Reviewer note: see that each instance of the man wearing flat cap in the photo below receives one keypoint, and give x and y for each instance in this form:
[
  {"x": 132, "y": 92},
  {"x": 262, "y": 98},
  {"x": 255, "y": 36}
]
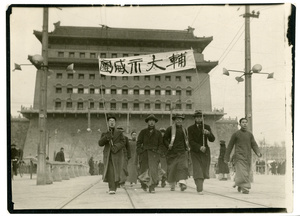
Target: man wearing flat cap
[
  {"x": 149, "y": 146},
  {"x": 113, "y": 141},
  {"x": 199, "y": 135},
  {"x": 176, "y": 141},
  {"x": 223, "y": 167}
]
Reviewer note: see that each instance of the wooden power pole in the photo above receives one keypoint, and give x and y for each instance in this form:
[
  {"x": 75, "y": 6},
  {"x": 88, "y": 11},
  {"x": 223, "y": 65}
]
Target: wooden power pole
[
  {"x": 41, "y": 166},
  {"x": 248, "y": 73}
]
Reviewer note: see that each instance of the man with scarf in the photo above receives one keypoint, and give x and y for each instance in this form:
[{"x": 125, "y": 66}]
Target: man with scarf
[
  {"x": 176, "y": 140},
  {"x": 199, "y": 133},
  {"x": 113, "y": 142},
  {"x": 243, "y": 141},
  {"x": 149, "y": 146}
]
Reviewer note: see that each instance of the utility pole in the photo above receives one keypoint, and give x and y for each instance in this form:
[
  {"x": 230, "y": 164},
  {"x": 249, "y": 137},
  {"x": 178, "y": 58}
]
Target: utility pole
[
  {"x": 248, "y": 74},
  {"x": 248, "y": 84},
  {"x": 41, "y": 166}
]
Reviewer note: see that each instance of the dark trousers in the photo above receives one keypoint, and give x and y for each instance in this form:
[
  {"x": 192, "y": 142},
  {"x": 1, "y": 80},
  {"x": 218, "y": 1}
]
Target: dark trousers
[
  {"x": 112, "y": 184},
  {"x": 199, "y": 184}
]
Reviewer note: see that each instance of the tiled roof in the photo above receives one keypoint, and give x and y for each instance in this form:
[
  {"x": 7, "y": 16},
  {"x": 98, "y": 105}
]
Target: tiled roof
[{"x": 124, "y": 33}]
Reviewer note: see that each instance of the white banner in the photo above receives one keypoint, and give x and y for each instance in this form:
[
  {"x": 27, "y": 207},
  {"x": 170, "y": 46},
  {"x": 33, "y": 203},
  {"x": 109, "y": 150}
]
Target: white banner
[{"x": 146, "y": 65}]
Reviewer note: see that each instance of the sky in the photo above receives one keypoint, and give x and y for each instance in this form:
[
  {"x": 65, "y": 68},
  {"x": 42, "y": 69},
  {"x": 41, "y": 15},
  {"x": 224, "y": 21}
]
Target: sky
[{"x": 225, "y": 23}]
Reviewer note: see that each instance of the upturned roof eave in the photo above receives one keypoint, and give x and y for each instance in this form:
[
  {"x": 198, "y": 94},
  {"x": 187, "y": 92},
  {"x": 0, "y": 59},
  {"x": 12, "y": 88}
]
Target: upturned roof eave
[{"x": 38, "y": 35}]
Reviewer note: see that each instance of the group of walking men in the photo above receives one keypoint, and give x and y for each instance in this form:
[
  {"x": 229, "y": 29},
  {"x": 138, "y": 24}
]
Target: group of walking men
[{"x": 177, "y": 145}]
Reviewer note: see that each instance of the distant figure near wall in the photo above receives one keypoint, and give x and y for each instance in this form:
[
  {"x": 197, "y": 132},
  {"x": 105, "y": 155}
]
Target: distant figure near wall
[{"x": 60, "y": 156}]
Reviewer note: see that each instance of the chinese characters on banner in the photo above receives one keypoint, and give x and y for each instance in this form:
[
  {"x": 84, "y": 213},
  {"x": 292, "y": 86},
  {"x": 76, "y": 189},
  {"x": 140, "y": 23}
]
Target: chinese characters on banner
[{"x": 146, "y": 65}]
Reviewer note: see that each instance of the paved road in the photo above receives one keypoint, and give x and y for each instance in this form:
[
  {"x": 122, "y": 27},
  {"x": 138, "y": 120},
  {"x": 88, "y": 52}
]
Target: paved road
[{"x": 89, "y": 192}]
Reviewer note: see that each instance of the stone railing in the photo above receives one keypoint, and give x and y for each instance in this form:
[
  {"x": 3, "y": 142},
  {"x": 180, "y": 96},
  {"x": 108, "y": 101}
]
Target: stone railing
[{"x": 58, "y": 171}]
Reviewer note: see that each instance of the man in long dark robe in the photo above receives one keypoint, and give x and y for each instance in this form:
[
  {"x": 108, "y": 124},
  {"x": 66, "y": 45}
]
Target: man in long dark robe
[
  {"x": 127, "y": 156},
  {"x": 113, "y": 142},
  {"x": 149, "y": 148},
  {"x": 199, "y": 135},
  {"x": 176, "y": 140},
  {"x": 132, "y": 162},
  {"x": 223, "y": 169},
  {"x": 243, "y": 141}
]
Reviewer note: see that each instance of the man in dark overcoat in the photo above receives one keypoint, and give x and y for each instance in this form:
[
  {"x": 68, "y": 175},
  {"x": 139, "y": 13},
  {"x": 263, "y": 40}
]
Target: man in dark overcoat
[
  {"x": 199, "y": 135},
  {"x": 176, "y": 141},
  {"x": 113, "y": 142},
  {"x": 126, "y": 157},
  {"x": 149, "y": 147},
  {"x": 60, "y": 156}
]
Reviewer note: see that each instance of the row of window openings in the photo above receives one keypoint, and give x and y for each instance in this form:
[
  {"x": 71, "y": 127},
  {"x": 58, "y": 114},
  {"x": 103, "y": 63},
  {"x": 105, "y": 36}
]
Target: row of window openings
[
  {"x": 92, "y": 55},
  {"x": 113, "y": 106},
  {"x": 136, "y": 78},
  {"x": 124, "y": 91}
]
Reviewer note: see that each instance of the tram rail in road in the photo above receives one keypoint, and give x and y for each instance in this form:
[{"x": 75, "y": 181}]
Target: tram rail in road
[{"x": 90, "y": 192}]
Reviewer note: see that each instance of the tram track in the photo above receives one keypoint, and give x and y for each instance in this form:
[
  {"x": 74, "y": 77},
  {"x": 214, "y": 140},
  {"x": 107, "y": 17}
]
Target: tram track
[
  {"x": 129, "y": 197},
  {"x": 68, "y": 201},
  {"x": 82, "y": 192},
  {"x": 136, "y": 199},
  {"x": 233, "y": 198}
]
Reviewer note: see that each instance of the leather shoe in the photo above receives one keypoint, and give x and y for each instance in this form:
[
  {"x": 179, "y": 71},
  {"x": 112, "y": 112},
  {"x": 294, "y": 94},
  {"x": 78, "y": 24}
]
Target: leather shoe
[
  {"x": 245, "y": 191},
  {"x": 151, "y": 189},
  {"x": 182, "y": 187}
]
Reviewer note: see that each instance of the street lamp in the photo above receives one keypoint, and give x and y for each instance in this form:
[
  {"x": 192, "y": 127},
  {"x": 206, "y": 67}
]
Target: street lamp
[
  {"x": 256, "y": 69},
  {"x": 41, "y": 64}
]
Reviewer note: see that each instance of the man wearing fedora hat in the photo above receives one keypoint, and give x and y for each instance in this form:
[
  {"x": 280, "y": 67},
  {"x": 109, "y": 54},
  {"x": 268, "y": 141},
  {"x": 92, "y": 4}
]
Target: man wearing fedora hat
[
  {"x": 149, "y": 146},
  {"x": 176, "y": 141},
  {"x": 199, "y": 135},
  {"x": 113, "y": 141}
]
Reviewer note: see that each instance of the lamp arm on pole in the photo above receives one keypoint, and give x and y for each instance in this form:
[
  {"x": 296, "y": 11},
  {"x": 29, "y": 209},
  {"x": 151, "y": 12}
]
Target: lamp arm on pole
[{"x": 236, "y": 71}]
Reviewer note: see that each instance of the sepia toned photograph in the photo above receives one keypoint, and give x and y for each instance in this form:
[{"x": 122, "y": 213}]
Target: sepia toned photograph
[{"x": 150, "y": 108}]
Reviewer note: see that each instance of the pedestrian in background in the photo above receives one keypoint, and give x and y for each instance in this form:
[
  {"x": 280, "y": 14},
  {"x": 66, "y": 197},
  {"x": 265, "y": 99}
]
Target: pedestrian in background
[
  {"x": 96, "y": 171},
  {"x": 132, "y": 162},
  {"x": 15, "y": 157},
  {"x": 113, "y": 142},
  {"x": 162, "y": 166},
  {"x": 60, "y": 156},
  {"x": 101, "y": 168},
  {"x": 126, "y": 157},
  {"x": 176, "y": 141},
  {"x": 91, "y": 165},
  {"x": 149, "y": 146},
  {"x": 222, "y": 166},
  {"x": 243, "y": 141},
  {"x": 199, "y": 135}
]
